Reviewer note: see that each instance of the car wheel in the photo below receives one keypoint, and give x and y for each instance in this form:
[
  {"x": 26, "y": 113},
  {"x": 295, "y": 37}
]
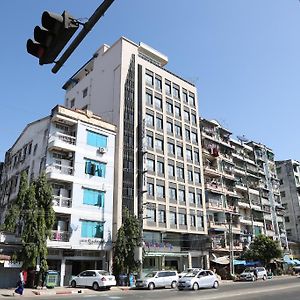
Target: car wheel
[
  {"x": 265, "y": 277},
  {"x": 95, "y": 286},
  {"x": 216, "y": 285},
  {"x": 173, "y": 284},
  {"x": 195, "y": 286},
  {"x": 151, "y": 286},
  {"x": 73, "y": 284}
]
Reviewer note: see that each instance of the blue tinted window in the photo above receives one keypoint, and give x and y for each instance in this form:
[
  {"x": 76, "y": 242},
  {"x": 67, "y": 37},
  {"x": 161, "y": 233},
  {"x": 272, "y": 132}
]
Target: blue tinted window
[
  {"x": 95, "y": 168},
  {"x": 93, "y": 197},
  {"x": 96, "y": 139},
  {"x": 91, "y": 229}
]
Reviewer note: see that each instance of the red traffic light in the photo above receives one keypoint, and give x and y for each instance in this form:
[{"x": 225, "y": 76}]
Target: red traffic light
[{"x": 35, "y": 49}]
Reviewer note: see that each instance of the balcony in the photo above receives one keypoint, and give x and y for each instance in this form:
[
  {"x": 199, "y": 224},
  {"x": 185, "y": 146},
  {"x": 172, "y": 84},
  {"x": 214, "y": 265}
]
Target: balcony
[
  {"x": 60, "y": 236},
  {"x": 214, "y": 186},
  {"x": 59, "y": 170},
  {"x": 214, "y": 204},
  {"x": 60, "y": 140},
  {"x": 246, "y": 220},
  {"x": 62, "y": 201},
  {"x": 210, "y": 169}
]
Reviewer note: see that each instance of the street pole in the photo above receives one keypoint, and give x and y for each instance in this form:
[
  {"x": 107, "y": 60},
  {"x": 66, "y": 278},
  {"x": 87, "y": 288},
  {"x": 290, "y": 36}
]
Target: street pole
[{"x": 231, "y": 252}]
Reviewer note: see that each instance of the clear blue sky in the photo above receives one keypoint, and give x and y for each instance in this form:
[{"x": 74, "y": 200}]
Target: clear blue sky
[{"x": 243, "y": 55}]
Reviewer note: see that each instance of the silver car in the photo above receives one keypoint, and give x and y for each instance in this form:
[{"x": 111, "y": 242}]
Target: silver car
[
  {"x": 198, "y": 279},
  {"x": 157, "y": 279}
]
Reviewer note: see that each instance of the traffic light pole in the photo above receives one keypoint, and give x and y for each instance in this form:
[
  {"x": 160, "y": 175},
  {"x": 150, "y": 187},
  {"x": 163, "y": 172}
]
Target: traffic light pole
[{"x": 99, "y": 12}]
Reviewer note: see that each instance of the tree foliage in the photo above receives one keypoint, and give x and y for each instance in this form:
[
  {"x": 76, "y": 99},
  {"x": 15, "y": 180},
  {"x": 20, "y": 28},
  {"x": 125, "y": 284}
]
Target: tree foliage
[
  {"x": 263, "y": 248},
  {"x": 128, "y": 239},
  {"x": 32, "y": 214}
]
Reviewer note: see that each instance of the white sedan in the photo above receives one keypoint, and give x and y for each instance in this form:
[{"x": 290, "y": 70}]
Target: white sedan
[
  {"x": 97, "y": 279},
  {"x": 198, "y": 279}
]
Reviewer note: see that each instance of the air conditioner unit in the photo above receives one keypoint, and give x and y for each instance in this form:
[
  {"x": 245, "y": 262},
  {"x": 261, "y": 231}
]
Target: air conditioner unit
[{"x": 101, "y": 150}]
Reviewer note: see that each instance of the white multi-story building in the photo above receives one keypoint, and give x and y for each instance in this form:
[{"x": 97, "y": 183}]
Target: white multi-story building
[
  {"x": 158, "y": 152},
  {"x": 76, "y": 151}
]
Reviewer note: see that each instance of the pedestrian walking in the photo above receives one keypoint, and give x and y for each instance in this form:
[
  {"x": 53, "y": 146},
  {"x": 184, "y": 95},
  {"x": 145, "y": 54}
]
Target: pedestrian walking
[{"x": 20, "y": 284}]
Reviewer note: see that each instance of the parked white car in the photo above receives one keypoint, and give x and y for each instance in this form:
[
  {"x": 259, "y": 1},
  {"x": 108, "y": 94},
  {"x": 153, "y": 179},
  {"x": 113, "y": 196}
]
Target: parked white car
[
  {"x": 97, "y": 279},
  {"x": 189, "y": 270},
  {"x": 157, "y": 279},
  {"x": 198, "y": 279},
  {"x": 252, "y": 274}
]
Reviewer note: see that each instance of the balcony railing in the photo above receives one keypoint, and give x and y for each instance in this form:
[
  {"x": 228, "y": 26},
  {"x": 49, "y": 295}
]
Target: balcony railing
[
  {"x": 62, "y": 201},
  {"x": 60, "y": 236},
  {"x": 64, "y": 138},
  {"x": 60, "y": 169}
]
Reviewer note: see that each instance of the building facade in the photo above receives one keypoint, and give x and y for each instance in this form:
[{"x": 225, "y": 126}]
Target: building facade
[
  {"x": 76, "y": 151},
  {"x": 158, "y": 149}
]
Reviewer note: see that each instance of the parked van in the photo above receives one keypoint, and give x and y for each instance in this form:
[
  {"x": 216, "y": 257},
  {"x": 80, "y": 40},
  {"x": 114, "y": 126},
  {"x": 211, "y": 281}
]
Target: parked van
[{"x": 157, "y": 279}]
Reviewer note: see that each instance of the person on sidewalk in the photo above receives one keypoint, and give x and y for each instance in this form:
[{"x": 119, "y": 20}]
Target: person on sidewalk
[{"x": 20, "y": 284}]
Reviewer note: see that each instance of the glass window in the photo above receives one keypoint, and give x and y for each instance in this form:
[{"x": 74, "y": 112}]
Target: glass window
[
  {"x": 180, "y": 172},
  {"x": 149, "y": 79},
  {"x": 200, "y": 221},
  {"x": 178, "y": 130},
  {"x": 186, "y": 115},
  {"x": 192, "y": 197},
  {"x": 187, "y": 134},
  {"x": 150, "y": 164},
  {"x": 185, "y": 96},
  {"x": 159, "y": 144},
  {"x": 158, "y": 84},
  {"x": 159, "y": 123},
  {"x": 194, "y": 119},
  {"x": 171, "y": 170},
  {"x": 158, "y": 102},
  {"x": 149, "y": 139},
  {"x": 150, "y": 189},
  {"x": 181, "y": 195},
  {"x": 96, "y": 139},
  {"x": 93, "y": 197},
  {"x": 160, "y": 167},
  {"x": 91, "y": 229},
  {"x": 168, "y": 87},
  {"x": 149, "y": 120},
  {"x": 197, "y": 177},
  {"x": 169, "y": 107},
  {"x": 149, "y": 99},
  {"x": 190, "y": 175},
  {"x": 173, "y": 220},
  {"x": 192, "y": 99},
  {"x": 193, "y": 220},
  {"x": 151, "y": 215},
  {"x": 172, "y": 193},
  {"x": 196, "y": 156},
  {"x": 171, "y": 148},
  {"x": 182, "y": 219},
  {"x": 176, "y": 92},
  {"x": 177, "y": 111},
  {"x": 160, "y": 191},
  {"x": 169, "y": 127},
  {"x": 199, "y": 200},
  {"x": 162, "y": 216},
  {"x": 194, "y": 137},
  {"x": 179, "y": 151},
  {"x": 72, "y": 103},
  {"x": 95, "y": 168},
  {"x": 189, "y": 154}
]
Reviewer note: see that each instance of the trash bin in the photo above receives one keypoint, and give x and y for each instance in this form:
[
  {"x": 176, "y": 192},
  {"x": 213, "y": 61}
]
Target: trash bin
[
  {"x": 51, "y": 279},
  {"x": 123, "y": 280}
]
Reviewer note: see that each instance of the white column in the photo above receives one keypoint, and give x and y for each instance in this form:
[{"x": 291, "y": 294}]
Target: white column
[{"x": 62, "y": 271}]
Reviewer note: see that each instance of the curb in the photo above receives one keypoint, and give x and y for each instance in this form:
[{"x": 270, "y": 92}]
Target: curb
[{"x": 43, "y": 293}]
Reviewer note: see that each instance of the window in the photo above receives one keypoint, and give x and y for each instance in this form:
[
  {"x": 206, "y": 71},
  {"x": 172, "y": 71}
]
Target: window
[
  {"x": 160, "y": 191},
  {"x": 181, "y": 195},
  {"x": 171, "y": 148},
  {"x": 149, "y": 79},
  {"x": 199, "y": 200},
  {"x": 149, "y": 99},
  {"x": 193, "y": 220},
  {"x": 159, "y": 123},
  {"x": 189, "y": 154},
  {"x": 158, "y": 83},
  {"x": 194, "y": 137},
  {"x": 180, "y": 172},
  {"x": 160, "y": 167},
  {"x": 91, "y": 229},
  {"x": 176, "y": 93},
  {"x": 172, "y": 193},
  {"x": 178, "y": 130},
  {"x": 161, "y": 216},
  {"x": 72, "y": 103},
  {"x": 190, "y": 175},
  {"x": 187, "y": 134},
  {"x": 150, "y": 164},
  {"x": 149, "y": 139},
  {"x": 158, "y": 102},
  {"x": 192, "y": 99},
  {"x": 150, "y": 189},
  {"x": 168, "y": 87},
  {"x": 93, "y": 197},
  {"x": 282, "y": 193},
  {"x": 169, "y": 108},
  {"x": 159, "y": 145},
  {"x": 173, "y": 220},
  {"x": 182, "y": 219},
  {"x": 186, "y": 116},
  {"x": 196, "y": 156},
  {"x": 197, "y": 177},
  {"x": 287, "y": 219},
  {"x": 95, "y": 168},
  {"x": 179, "y": 151},
  {"x": 96, "y": 139},
  {"x": 194, "y": 119},
  {"x": 169, "y": 127},
  {"x": 185, "y": 96},
  {"x": 192, "y": 198},
  {"x": 177, "y": 111},
  {"x": 149, "y": 120},
  {"x": 151, "y": 215},
  {"x": 84, "y": 92},
  {"x": 200, "y": 221},
  {"x": 171, "y": 170}
]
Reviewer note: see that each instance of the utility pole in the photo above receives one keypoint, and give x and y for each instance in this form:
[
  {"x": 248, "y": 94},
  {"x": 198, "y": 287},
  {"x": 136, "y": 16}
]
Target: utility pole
[{"x": 231, "y": 251}]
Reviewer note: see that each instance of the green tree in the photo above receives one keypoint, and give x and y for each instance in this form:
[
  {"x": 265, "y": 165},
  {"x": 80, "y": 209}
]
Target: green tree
[
  {"x": 128, "y": 240},
  {"x": 263, "y": 248},
  {"x": 32, "y": 214}
]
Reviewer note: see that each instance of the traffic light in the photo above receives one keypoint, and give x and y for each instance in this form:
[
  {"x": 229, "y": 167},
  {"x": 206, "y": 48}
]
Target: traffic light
[{"x": 52, "y": 37}]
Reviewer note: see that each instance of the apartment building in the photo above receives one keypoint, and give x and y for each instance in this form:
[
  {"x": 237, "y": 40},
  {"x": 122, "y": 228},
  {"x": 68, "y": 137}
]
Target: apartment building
[
  {"x": 242, "y": 190},
  {"x": 158, "y": 158},
  {"x": 75, "y": 149},
  {"x": 289, "y": 175}
]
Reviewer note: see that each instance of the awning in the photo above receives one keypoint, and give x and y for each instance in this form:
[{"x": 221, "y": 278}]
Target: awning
[
  {"x": 159, "y": 254},
  {"x": 296, "y": 261},
  {"x": 237, "y": 262},
  {"x": 288, "y": 260},
  {"x": 223, "y": 260}
]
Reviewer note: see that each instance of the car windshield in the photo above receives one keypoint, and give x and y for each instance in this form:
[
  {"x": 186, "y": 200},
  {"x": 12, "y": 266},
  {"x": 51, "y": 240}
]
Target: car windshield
[
  {"x": 151, "y": 274},
  {"x": 248, "y": 270},
  {"x": 191, "y": 274},
  {"x": 103, "y": 273}
]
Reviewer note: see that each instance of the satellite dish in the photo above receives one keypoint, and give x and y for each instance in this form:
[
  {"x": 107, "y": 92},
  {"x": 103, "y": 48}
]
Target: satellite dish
[{"x": 242, "y": 138}]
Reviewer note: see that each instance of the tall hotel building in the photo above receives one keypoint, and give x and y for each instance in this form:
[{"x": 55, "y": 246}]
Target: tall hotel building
[{"x": 158, "y": 149}]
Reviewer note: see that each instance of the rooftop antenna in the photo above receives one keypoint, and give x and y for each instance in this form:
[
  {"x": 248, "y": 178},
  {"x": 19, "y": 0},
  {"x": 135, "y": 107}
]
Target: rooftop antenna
[{"x": 242, "y": 138}]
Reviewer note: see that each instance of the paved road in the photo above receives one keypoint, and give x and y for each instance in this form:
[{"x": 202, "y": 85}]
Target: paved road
[{"x": 275, "y": 289}]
